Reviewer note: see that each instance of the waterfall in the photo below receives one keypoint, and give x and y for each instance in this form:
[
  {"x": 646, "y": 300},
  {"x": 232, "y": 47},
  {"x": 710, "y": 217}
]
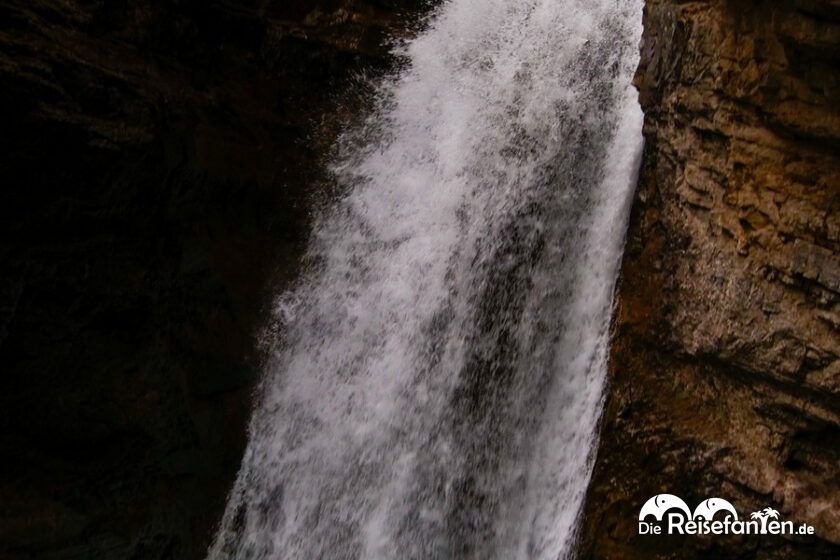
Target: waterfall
[{"x": 436, "y": 384}]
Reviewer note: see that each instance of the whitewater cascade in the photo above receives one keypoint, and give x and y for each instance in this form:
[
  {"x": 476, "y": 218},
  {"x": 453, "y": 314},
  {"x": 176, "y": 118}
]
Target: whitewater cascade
[{"x": 436, "y": 386}]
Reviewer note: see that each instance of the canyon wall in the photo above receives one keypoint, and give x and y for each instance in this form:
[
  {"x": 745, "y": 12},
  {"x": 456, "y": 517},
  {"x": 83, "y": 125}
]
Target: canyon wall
[
  {"x": 159, "y": 162},
  {"x": 159, "y": 165},
  {"x": 725, "y": 372}
]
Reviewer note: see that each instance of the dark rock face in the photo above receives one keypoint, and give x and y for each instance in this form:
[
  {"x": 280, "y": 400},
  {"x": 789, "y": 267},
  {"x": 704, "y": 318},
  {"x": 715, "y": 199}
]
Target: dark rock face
[
  {"x": 159, "y": 162},
  {"x": 726, "y": 350}
]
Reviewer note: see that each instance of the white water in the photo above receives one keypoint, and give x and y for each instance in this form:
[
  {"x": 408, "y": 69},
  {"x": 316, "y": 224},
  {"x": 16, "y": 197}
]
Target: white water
[{"x": 439, "y": 377}]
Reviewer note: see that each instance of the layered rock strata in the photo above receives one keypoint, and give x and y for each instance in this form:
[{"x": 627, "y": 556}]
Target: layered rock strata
[{"x": 725, "y": 371}]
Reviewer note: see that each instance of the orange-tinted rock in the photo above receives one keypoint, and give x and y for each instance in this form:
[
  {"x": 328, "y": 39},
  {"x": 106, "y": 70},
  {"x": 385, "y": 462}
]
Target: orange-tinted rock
[{"x": 725, "y": 363}]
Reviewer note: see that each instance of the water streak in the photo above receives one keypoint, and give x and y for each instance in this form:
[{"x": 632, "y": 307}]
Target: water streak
[{"x": 436, "y": 388}]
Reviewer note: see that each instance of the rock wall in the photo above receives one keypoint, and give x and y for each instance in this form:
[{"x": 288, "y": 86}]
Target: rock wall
[
  {"x": 158, "y": 163},
  {"x": 725, "y": 373}
]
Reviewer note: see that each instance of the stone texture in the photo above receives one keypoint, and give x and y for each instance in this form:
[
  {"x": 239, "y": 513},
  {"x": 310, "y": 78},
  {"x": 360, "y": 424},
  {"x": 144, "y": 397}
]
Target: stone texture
[
  {"x": 159, "y": 162},
  {"x": 725, "y": 371}
]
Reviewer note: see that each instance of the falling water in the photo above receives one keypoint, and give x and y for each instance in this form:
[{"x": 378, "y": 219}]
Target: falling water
[{"x": 440, "y": 374}]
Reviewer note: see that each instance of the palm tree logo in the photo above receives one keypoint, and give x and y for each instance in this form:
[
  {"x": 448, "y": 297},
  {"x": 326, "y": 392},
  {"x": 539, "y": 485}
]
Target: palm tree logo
[{"x": 764, "y": 515}]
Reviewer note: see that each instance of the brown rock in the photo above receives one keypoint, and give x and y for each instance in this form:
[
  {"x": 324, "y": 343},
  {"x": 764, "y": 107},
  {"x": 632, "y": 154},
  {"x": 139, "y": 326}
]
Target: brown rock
[{"x": 724, "y": 372}]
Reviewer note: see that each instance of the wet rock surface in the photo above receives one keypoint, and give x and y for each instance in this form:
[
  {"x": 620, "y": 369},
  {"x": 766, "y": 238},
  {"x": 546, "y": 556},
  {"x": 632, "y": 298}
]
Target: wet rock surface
[
  {"x": 159, "y": 163},
  {"x": 725, "y": 377}
]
